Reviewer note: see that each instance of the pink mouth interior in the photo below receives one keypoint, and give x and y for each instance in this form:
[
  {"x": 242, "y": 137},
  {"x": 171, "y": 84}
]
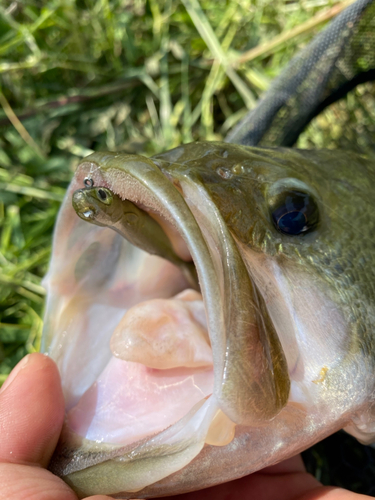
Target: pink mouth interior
[{"x": 130, "y": 401}]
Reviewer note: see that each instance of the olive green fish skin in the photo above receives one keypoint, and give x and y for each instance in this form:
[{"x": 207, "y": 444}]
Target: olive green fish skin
[{"x": 340, "y": 251}]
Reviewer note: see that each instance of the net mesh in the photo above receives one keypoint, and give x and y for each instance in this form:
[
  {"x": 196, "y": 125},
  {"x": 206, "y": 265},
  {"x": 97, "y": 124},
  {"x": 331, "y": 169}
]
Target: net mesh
[{"x": 339, "y": 59}]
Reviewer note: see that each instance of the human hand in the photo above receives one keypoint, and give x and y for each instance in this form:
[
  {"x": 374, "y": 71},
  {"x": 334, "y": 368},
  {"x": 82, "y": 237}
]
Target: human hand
[{"x": 31, "y": 417}]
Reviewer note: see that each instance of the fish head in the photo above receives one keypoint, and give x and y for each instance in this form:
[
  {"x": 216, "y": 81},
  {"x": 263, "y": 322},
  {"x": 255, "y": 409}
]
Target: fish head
[
  {"x": 169, "y": 390},
  {"x": 96, "y": 202}
]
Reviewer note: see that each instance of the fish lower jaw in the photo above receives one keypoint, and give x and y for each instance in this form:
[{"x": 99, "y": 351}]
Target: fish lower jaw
[
  {"x": 134, "y": 409},
  {"x": 160, "y": 367},
  {"x": 130, "y": 401}
]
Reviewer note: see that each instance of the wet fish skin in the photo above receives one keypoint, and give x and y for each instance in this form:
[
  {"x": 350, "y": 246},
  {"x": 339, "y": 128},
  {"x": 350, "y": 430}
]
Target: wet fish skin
[
  {"x": 337, "y": 259},
  {"x": 341, "y": 251}
]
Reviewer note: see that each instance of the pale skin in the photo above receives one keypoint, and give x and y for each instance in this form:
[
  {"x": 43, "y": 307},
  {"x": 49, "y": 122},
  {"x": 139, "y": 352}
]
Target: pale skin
[{"x": 31, "y": 417}]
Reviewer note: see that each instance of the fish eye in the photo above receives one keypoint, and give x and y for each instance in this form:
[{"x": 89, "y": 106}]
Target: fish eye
[
  {"x": 295, "y": 212},
  {"x": 104, "y": 195}
]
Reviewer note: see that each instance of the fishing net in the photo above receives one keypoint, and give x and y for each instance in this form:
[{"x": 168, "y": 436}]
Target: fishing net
[{"x": 335, "y": 64}]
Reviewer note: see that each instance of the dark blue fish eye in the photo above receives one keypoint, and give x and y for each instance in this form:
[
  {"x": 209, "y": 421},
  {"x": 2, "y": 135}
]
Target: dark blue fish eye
[
  {"x": 292, "y": 222},
  {"x": 294, "y": 212}
]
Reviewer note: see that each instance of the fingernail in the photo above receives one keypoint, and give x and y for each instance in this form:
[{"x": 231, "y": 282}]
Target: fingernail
[{"x": 13, "y": 374}]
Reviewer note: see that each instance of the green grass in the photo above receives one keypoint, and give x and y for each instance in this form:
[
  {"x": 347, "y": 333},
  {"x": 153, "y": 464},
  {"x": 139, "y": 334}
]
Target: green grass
[
  {"x": 139, "y": 76},
  {"x": 132, "y": 75}
]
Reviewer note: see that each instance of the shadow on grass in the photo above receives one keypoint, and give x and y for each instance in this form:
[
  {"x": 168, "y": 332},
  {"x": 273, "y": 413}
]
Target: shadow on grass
[{"x": 340, "y": 460}]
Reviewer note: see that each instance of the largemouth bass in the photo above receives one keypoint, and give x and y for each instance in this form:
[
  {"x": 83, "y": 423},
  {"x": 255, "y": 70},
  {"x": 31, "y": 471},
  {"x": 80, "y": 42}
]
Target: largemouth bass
[{"x": 170, "y": 389}]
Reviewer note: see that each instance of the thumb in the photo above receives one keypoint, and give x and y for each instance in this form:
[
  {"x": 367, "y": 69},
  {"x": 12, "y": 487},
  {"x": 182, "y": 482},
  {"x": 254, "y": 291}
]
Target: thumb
[
  {"x": 31, "y": 416},
  {"x": 31, "y": 412}
]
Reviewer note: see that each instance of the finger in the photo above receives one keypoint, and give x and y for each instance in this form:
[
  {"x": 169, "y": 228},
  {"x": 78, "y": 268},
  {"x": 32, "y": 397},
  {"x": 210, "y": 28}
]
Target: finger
[
  {"x": 293, "y": 464},
  {"x": 259, "y": 486},
  {"x": 31, "y": 483},
  {"x": 31, "y": 412},
  {"x": 332, "y": 493}
]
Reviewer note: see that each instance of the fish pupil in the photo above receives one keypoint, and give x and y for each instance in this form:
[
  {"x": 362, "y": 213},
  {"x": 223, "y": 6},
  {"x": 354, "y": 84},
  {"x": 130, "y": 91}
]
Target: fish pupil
[
  {"x": 295, "y": 212},
  {"x": 102, "y": 194},
  {"x": 292, "y": 222}
]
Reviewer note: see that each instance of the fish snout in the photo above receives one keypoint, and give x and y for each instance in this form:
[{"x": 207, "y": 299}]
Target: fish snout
[{"x": 84, "y": 209}]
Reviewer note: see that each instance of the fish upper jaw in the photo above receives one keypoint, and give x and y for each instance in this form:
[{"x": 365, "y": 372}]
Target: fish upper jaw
[{"x": 254, "y": 383}]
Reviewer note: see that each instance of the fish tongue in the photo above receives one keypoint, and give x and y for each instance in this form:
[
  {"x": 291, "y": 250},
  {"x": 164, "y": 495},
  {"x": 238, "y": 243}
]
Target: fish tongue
[
  {"x": 164, "y": 333},
  {"x": 130, "y": 401}
]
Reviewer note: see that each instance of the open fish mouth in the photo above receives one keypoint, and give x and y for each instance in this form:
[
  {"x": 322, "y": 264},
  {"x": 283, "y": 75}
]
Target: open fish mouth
[
  {"x": 153, "y": 371},
  {"x": 135, "y": 345}
]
